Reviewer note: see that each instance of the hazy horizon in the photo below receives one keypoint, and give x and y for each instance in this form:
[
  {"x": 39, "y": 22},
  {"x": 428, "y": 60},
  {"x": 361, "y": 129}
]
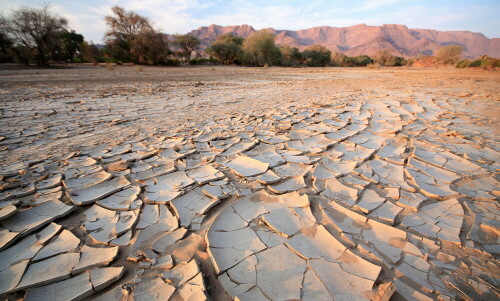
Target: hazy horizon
[{"x": 182, "y": 16}]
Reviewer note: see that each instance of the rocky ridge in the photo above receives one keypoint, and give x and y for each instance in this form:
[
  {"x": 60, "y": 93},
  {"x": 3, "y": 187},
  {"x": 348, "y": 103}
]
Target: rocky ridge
[{"x": 363, "y": 39}]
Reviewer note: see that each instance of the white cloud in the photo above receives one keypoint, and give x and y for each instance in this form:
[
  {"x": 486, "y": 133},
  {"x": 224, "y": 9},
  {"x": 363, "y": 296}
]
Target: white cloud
[
  {"x": 90, "y": 24},
  {"x": 375, "y": 4}
]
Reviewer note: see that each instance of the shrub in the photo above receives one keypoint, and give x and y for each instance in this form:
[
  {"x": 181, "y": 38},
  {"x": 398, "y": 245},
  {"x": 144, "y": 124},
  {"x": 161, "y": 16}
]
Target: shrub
[
  {"x": 357, "y": 61},
  {"x": 449, "y": 54},
  {"x": 385, "y": 58},
  {"x": 203, "y": 61},
  {"x": 425, "y": 61},
  {"x": 338, "y": 59},
  {"x": 317, "y": 55},
  {"x": 362, "y": 60},
  {"x": 484, "y": 61},
  {"x": 475, "y": 63},
  {"x": 290, "y": 56},
  {"x": 373, "y": 66},
  {"x": 463, "y": 64},
  {"x": 489, "y": 62}
]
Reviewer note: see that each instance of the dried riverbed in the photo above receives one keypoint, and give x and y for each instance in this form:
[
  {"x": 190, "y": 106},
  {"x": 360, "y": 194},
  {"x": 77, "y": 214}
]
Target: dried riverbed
[{"x": 256, "y": 184}]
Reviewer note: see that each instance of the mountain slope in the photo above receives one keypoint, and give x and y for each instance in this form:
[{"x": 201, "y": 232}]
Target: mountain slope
[{"x": 364, "y": 39}]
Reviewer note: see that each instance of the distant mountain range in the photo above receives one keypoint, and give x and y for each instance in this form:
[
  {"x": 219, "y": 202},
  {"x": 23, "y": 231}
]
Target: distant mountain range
[{"x": 364, "y": 39}]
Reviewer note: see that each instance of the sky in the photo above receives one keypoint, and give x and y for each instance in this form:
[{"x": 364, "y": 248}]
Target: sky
[{"x": 181, "y": 16}]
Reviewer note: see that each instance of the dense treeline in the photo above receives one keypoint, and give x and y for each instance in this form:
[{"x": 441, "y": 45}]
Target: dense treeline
[{"x": 30, "y": 35}]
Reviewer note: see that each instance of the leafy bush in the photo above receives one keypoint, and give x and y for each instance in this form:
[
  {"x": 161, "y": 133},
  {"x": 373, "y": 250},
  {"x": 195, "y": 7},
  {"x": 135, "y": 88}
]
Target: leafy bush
[
  {"x": 489, "y": 62},
  {"x": 317, "y": 55},
  {"x": 203, "y": 61},
  {"x": 338, "y": 59},
  {"x": 357, "y": 61},
  {"x": 463, "y": 64},
  {"x": 227, "y": 48},
  {"x": 484, "y": 62},
  {"x": 290, "y": 56},
  {"x": 260, "y": 49},
  {"x": 399, "y": 61},
  {"x": 475, "y": 63},
  {"x": 385, "y": 58}
]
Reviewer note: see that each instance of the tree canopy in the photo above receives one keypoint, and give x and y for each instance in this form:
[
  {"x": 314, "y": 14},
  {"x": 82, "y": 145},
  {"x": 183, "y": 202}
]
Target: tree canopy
[
  {"x": 126, "y": 24},
  {"x": 186, "y": 44},
  {"x": 317, "y": 55},
  {"x": 37, "y": 30},
  {"x": 131, "y": 37},
  {"x": 260, "y": 49},
  {"x": 227, "y": 48}
]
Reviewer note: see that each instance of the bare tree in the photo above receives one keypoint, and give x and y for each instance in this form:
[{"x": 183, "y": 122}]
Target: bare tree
[
  {"x": 37, "y": 30},
  {"x": 132, "y": 37},
  {"x": 90, "y": 52},
  {"x": 187, "y": 44},
  {"x": 126, "y": 24}
]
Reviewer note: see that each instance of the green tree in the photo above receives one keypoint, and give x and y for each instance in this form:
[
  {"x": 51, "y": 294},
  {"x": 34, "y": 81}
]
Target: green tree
[
  {"x": 226, "y": 49},
  {"x": 34, "y": 32},
  {"x": 317, "y": 55},
  {"x": 73, "y": 43},
  {"x": 186, "y": 44},
  {"x": 290, "y": 56},
  {"x": 449, "y": 54},
  {"x": 150, "y": 48},
  {"x": 6, "y": 43},
  {"x": 118, "y": 50},
  {"x": 260, "y": 49}
]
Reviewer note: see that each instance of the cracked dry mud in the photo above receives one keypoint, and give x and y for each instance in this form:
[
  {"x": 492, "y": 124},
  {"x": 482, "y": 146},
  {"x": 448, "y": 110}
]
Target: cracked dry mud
[{"x": 249, "y": 184}]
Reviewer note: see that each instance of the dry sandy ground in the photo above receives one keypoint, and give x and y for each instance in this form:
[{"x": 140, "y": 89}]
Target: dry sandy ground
[
  {"x": 47, "y": 112},
  {"x": 278, "y": 183}
]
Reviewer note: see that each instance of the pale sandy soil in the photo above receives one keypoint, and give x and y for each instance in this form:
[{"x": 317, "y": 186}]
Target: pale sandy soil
[{"x": 46, "y": 112}]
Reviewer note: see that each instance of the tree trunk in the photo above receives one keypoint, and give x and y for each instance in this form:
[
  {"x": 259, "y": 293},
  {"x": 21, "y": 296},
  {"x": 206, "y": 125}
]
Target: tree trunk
[{"x": 41, "y": 54}]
